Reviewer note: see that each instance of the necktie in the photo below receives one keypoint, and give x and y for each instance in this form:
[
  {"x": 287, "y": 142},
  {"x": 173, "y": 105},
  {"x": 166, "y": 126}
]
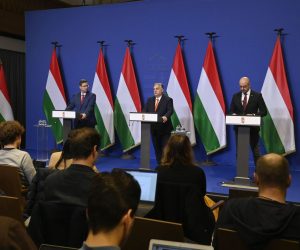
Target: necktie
[
  {"x": 245, "y": 102},
  {"x": 156, "y": 104},
  {"x": 82, "y": 99}
]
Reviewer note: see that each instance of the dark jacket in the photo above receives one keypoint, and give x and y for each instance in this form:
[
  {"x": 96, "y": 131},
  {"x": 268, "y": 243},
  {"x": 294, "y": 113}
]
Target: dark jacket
[
  {"x": 36, "y": 189},
  {"x": 180, "y": 198},
  {"x": 86, "y": 107},
  {"x": 255, "y": 105},
  {"x": 69, "y": 186},
  {"x": 258, "y": 220},
  {"x": 164, "y": 108}
]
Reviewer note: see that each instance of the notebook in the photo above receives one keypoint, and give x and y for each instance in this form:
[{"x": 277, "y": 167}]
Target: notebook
[
  {"x": 147, "y": 180},
  {"x": 173, "y": 245}
]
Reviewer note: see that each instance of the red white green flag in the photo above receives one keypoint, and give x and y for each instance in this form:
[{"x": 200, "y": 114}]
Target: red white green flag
[
  {"x": 278, "y": 126},
  {"x": 104, "y": 108},
  {"x": 127, "y": 100},
  {"x": 178, "y": 90},
  {"x": 6, "y": 113},
  {"x": 54, "y": 98},
  {"x": 209, "y": 106}
]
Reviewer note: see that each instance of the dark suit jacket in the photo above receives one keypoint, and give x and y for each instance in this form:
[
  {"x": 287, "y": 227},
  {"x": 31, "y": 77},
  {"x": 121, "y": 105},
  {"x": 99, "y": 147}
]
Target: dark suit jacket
[
  {"x": 255, "y": 105},
  {"x": 86, "y": 107},
  {"x": 183, "y": 174},
  {"x": 164, "y": 108},
  {"x": 69, "y": 186},
  {"x": 180, "y": 198}
]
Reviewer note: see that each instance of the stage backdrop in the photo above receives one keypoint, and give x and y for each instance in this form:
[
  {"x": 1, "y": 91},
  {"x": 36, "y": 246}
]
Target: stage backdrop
[{"x": 243, "y": 47}]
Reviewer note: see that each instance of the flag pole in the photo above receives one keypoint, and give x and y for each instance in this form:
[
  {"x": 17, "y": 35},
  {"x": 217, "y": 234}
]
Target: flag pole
[{"x": 208, "y": 162}]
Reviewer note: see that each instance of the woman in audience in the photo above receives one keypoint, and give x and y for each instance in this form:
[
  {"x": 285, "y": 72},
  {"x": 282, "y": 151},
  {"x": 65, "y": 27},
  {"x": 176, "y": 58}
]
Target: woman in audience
[
  {"x": 10, "y": 154},
  {"x": 61, "y": 159},
  {"x": 181, "y": 187},
  {"x": 178, "y": 165}
]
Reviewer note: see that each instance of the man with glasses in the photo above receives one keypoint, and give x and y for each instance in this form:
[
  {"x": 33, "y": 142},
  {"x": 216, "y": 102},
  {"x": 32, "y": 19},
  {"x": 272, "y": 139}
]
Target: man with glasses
[{"x": 83, "y": 103}]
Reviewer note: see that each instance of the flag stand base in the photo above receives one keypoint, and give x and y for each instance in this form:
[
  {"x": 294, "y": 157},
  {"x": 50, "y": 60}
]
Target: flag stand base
[{"x": 127, "y": 156}]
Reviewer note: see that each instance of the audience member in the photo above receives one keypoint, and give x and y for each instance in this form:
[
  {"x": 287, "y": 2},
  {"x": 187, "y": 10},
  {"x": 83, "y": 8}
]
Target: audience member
[
  {"x": 258, "y": 220},
  {"x": 10, "y": 139},
  {"x": 13, "y": 235},
  {"x": 112, "y": 203},
  {"x": 181, "y": 187},
  {"x": 71, "y": 185},
  {"x": 61, "y": 159},
  {"x": 178, "y": 165}
]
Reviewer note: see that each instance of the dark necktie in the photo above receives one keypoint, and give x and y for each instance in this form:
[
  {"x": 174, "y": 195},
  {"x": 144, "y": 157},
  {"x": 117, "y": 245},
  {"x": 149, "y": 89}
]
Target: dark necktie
[
  {"x": 82, "y": 99},
  {"x": 245, "y": 102}
]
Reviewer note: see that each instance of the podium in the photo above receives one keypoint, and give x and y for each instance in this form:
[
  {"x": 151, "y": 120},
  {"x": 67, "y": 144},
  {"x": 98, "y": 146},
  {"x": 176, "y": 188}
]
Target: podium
[
  {"x": 67, "y": 117},
  {"x": 244, "y": 123},
  {"x": 42, "y": 140},
  {"x": 146, "y": 119}
]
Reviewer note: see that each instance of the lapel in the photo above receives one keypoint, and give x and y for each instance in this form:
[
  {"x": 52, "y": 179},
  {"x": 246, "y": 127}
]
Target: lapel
[
  {"x": 160, "y": 103},
  {"x": 239, "y": 100},
  {"x": 250, "y": 97}
]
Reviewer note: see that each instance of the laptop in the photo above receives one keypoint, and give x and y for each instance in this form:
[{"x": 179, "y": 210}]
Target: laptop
[
  {"x": 144, "y": 230},
  {"x": 147, "y": 180},
  {"x": 173, "y": 245}
]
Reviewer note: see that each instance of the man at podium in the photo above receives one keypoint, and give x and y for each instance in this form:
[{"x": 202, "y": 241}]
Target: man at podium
[
  {"x": 83, "y": 103},
  {"x": 249, "y": 102},
  {"x": 163, "y": 106}
]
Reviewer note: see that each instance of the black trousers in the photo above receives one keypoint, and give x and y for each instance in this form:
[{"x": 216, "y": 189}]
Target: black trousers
[{"x": 159, "y": 142}]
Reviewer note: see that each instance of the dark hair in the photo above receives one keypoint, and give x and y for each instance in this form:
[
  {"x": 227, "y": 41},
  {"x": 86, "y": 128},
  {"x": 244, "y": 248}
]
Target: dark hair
[
  {"x": 82, "y": 81},
  {"x": 9, "y": 131},
  {"x": 65, "y": 154},
  {"x": 178, "y": 150},
  {"x": 82, "y": 142},
  {"x": 111, "y": 196},
  {"x": 273, "y": 171}
]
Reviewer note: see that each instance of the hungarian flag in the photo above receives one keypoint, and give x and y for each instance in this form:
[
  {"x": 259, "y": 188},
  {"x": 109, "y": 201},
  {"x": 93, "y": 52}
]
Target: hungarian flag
[
  {"x": 104, "y": 104},
  {"x": 278, "y": 126},
  {"x": 54, "y": 98},
  {"x": 209, "y": 106},
  {"x": 127, "y": 100},
  {"x": 6, "y": 113},
  {"x": 178, "y": 90}
]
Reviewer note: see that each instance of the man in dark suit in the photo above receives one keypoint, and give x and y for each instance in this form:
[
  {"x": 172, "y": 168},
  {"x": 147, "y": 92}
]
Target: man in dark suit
[
  {"x": 72, "y": 185},
  {"x": 83, "y": 103},
  {"x": 249, "y": 102},
  {"x": 160, "y": 131}
]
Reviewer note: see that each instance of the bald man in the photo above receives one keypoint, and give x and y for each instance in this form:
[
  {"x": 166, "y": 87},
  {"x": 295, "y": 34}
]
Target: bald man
[
  {"x": 249, "y": 102},
  {"x": 268, "y": 216}
]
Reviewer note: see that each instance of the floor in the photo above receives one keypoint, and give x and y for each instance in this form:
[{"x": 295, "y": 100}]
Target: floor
[{"x": 215, "y": 175}]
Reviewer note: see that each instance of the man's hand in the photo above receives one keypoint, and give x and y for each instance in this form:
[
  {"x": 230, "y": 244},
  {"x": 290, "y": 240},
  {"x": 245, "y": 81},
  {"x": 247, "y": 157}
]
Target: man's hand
[
  {"x": 165, "y": 119},
  {"x": 82, "y": 116}
]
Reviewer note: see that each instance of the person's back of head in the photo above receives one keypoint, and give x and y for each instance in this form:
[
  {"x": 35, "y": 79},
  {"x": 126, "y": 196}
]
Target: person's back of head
[
  {"x": 83, "y": 142},
  {"x": 10, "y": 131},
  {"x": 178, "y": 150},
  {"x": 112, "y": 202},
  {"x": 272, "y": 171}
]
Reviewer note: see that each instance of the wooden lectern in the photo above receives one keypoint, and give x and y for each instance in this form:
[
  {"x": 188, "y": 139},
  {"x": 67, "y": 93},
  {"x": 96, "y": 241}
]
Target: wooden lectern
[
  {"x": 244, "y": 123},
  {"x": 67, "y": 117},
  {"x": 146, "y": 119}
]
